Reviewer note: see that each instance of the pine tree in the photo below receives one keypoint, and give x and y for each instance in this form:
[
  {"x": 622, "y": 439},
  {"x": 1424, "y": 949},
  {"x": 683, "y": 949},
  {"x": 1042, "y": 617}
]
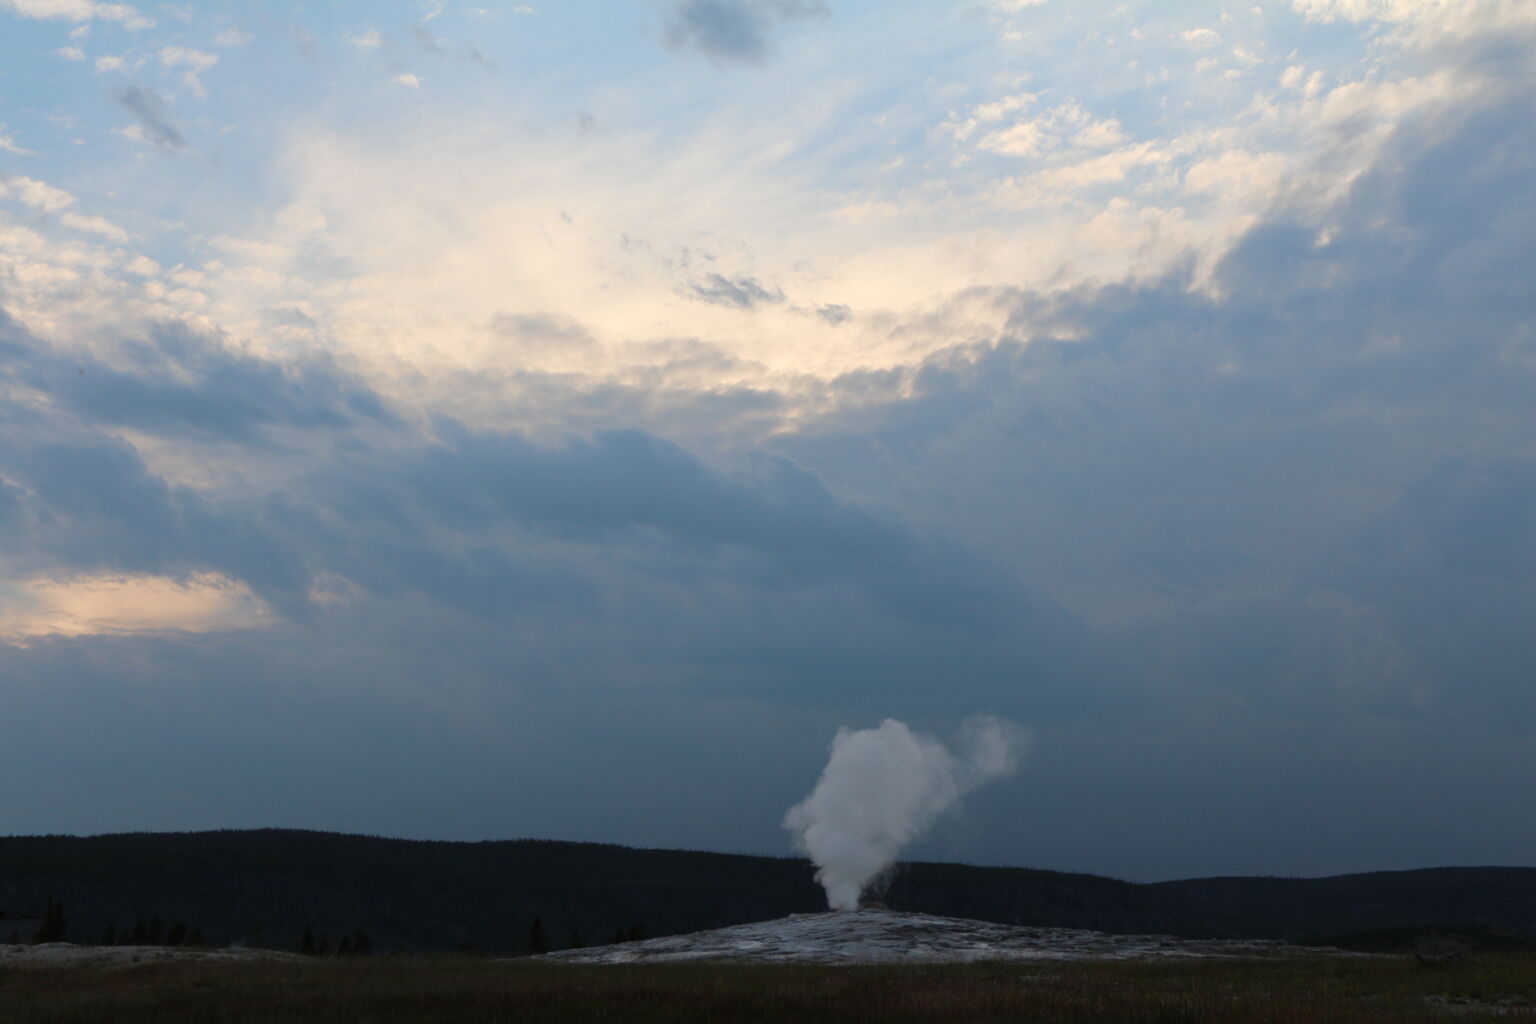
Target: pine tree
[
  {"x": 307, "y": 942},
  {"x": 538, "y": 942},
  {"x": 575, "y": 940},
  {"x": 54, "y": 926}
]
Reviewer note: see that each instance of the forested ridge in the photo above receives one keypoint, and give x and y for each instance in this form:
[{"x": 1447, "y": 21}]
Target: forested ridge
[{"x": 329, "y": 893}]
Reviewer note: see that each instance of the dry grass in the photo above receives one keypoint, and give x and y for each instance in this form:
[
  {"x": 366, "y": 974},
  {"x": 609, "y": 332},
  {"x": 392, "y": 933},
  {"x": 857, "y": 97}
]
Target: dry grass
[{"x": 427, "y": 990}]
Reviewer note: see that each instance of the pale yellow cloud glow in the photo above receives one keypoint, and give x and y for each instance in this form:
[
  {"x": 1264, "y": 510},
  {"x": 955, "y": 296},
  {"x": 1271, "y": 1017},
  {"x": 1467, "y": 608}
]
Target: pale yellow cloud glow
[
  {"x": 459, "y": 258},
  {"x": 537, "y": 262},
  {"x": 95, "y": 605}
]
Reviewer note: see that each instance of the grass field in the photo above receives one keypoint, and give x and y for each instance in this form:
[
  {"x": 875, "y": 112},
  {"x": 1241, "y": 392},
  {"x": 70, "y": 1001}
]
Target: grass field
[{"x": 419, "y": 990}]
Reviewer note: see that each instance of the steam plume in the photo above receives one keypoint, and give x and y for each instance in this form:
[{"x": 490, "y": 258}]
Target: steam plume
[{"x": 883, "y": 787}]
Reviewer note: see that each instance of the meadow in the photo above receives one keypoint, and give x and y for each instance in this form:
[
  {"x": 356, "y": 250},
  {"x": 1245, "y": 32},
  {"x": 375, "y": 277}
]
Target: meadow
[{"x": 438, "y": 990}]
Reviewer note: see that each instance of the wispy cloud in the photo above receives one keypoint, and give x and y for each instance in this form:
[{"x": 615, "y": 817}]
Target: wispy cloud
[
  {"x": 734, "y": 30},
  {"x": 426, "y": 41},
  {"x": 9, "y": 144},
  {"x": 194, "y": 61},
  {"x": 153, "y": 124},
  {"x": 370, "y": 39},
  {"x": 736, "y": 292},
  {"x": 95, "y": 226}
]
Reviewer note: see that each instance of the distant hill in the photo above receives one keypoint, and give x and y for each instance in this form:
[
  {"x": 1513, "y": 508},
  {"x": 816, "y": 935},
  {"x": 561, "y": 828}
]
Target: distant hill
[{"x": 267, "y": 887}]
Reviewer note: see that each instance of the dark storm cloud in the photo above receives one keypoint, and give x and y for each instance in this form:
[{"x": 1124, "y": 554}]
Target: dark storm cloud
[
  {"x": 1449, "y": 568},
  {"x": 733, "y": 30},
  {"x": 774, "y": 527},
  {"x": 146, "y": 105},
  {"x": 637, "y": 516},
  {"x": 191, "y": 384},
  {"x": 736, "y": 292},
  {"x": 184, "y": 383},
  {"x": 489, "y": 524},
  {"x": 1311, "y": 494},
  {"x": 88, "y": 502}
]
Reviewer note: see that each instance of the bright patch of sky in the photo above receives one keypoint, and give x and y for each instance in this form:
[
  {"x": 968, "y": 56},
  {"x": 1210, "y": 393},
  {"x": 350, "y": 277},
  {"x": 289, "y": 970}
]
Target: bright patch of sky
[{"x": 399, "y": 176}]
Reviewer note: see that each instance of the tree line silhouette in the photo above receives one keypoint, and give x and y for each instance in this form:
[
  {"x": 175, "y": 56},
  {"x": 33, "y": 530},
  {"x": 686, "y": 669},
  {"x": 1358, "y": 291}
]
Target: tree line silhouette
[
  {"x": 151, "y": 930},
  {"x": 263, "y": 888}
]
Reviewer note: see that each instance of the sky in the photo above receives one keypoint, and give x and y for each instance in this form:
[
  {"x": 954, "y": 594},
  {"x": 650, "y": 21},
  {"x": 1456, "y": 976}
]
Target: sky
[{"x": 488, "y": 420}]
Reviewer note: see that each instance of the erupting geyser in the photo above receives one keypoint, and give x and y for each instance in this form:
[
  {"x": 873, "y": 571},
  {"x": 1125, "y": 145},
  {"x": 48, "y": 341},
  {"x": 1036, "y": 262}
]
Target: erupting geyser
[{"x": 883, "y": 787}]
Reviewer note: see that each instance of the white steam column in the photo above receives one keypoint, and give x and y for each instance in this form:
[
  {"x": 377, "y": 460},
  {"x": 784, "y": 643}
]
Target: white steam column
[{"x": 883, "y": 787}]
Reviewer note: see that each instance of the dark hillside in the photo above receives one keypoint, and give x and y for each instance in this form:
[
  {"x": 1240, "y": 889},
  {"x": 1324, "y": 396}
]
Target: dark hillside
[
  {"x": 267, "y": 887},
  {"x": 1298, "y": 908}
]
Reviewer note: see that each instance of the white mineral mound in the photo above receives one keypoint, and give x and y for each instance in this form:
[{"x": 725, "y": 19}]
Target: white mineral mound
[{"x": 887, "y": 936}]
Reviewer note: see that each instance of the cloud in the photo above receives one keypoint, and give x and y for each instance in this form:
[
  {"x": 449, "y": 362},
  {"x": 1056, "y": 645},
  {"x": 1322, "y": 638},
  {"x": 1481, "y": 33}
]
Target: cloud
[
  {"x": 34, "y": 193},
  {"x": 464, "y": 517},
  {"x": 195, "y": 61},
  {"x": 1428, "y": 22},
  {"x": 1107, "y": 194},
  {"x": 187, "y": 383},
  {"x": 733, "y": 30},
  {"x": 545, "y": 332},
  {"x": 372, "y": 39},
  {"x": 426, "y": 41},
  {"x": 733, "y": 292},
  {"x": 233, "y": 36},
  {"x": 79, "y": 10},
  {"x": 9, "y": 144},
  {"x": 408, "y": 80},
  {"x": 146, "y": 105},
  {"x": 116, "y": 605},
  {"x": 95, "y": 226},
  {"x": 1327, "y": 435},
  {"x": 1066, "y": 125}
]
